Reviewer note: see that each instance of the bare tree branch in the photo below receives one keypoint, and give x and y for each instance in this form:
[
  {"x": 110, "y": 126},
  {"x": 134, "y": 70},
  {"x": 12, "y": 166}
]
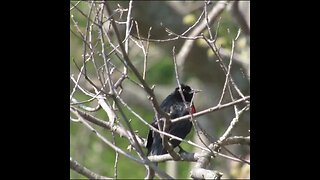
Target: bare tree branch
[
  {"x": 105, "y": 140},
  {"x": 228, "y": 73},
  {"x": 212, "y": 109},
  {"x": 212, "y": 16},
  {"x": 200, "y": 173},
  {"x": 83, "y": 116},
  {"x": 236, "y": 140},
  {"x": 157, "y": 130},
  {"x": 74, "y": 5},
  {"x": 187, "y": 156},
  {"x": 223, "y": 66},
  {"x": 194, "y": 122},
  {"x": 239, "y": 17},
  {"x": 107, "y": 125},
  {"x": 74, "y": 165},
  {"x": 126, "y": 44},
  {"x": 233, "y": 123},
  {"x": 135, "y": 71}
]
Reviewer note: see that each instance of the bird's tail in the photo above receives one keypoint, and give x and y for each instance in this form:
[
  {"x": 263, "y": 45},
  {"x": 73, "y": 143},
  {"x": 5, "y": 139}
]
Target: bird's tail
[
  {"x": 154, "y": 151},
  {"x": 150, "y": 173}
]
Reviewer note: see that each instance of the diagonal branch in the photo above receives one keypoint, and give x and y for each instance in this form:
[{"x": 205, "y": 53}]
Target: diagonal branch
[
  {"x": 236, "y": 140},
  {"x": 119, "y": 150},
  {"x": 233, "y": 123},
  {"x": 74, "y": 165},
  {"x": 223, "y": 66},
  {"x": 239, "y": 17},
  {"x": 212, "y": 109},
  {"x": 135, "y": 71},
  {"x": 212, "y": 16}
]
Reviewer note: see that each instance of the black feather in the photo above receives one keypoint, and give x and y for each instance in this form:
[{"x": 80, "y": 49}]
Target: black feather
[{"x": 175, "y": 107}]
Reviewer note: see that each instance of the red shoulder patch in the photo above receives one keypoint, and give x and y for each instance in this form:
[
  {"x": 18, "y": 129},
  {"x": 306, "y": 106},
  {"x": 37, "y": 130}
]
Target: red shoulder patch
[{"x": 193, "y": 109}]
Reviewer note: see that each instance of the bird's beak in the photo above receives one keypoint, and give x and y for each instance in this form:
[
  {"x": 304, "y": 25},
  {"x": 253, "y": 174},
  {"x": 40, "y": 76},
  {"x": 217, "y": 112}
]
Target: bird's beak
[{"x": 195, "y": 90}]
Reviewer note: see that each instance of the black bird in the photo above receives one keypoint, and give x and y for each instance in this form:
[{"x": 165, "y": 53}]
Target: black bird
[{"x": 175, "y": 107}]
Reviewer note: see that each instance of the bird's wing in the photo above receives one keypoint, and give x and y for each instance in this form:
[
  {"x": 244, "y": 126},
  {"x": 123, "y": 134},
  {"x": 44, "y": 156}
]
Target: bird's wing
[
  {"x": 150, "y": 136},
  {"x": 167, "y": 103},
  {"x": 179, "y": 128},
  {"x": 164, "y": 107},
  {"x": 178, "y": 110}
]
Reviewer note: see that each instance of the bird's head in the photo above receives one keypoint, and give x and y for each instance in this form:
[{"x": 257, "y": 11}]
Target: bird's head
[{"x": 187, "y": 92}]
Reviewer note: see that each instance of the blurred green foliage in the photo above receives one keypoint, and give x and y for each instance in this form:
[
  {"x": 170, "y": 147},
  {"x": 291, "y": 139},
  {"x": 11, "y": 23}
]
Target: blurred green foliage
[{"x": 162, "y": 72}]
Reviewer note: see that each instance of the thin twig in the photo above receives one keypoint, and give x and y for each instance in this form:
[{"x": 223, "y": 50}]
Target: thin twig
[
  {"x": 207, "y": 19},
  {"x": 149, "y": 91},
  {"x": 115, "y": 167},
  {"x": 81, "y": 38},
  {"x": 196, "y": 23},
  {"x": 74, "y": 5},
  {"x": 126, "y": 44},
  {"x": 76, "y": 82},
  {"x": 83, "y": 14},
  {"x": 133, "y": 137},
  {"x": 92, "y": 52},
  {"x": 75, "y": 23},
  {"x": 184, "y": 101},
  {"x": 146, "y": 54},
  {"x": 144, "y": 50},
  {"x": 186, "y": 156},
  {"x": 169, "y": 135},
  {"x": 82, "y": 68},
  {"x": 236, "y": 140},
  {"x": 233, "y": 123},
  {"x": 224, "y": 68},
  {"x": 119, "y": 150},
  {"x": 112, "y": 90},
  {"x": 165, "y": 139},
  {"x": 172, "y": 136},
  {"x": 88, "y": 79},
  {"x": 121, "y": 131},
  {"x": 212, "y": 109},
  {"x": 137, "y": 145},
  {"x": 227, "y": 83},
  {"x": 213, "y": 14},
  {"x": 217, "y": 30},
  {"x": 239, "y": 17},
  {"x": 85, "y": 36},
  {"x": 82, "y": 106},
  {"x": 177, "y": 37},
  {"x": 228, "y": 73},
  {"x": 109, "y": 80},
  {"x": 157, "y": 130},
  {"x": 74, "y": 165},
  {"x": 124, "y": 133}
]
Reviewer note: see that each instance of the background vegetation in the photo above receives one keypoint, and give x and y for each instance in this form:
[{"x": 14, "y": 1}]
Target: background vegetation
[{"x": 200, "y": 70}]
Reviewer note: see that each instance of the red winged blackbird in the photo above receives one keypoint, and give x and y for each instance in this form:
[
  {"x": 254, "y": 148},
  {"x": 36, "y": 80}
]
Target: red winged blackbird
[{"x": 175, "y": 107}]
